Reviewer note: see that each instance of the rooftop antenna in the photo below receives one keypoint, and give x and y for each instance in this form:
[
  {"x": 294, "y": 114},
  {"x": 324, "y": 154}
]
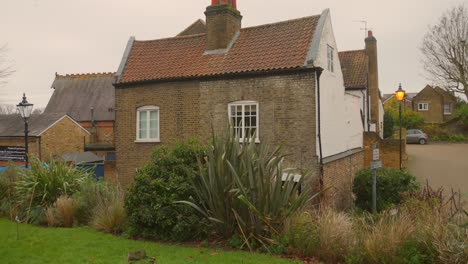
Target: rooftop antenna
[{"x": 365, "y": 26}]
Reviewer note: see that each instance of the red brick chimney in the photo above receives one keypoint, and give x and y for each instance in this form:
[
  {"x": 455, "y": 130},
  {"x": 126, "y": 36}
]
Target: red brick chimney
[
  {"x": 223, "y": 21},
  {"x": 373, "y": 79}
]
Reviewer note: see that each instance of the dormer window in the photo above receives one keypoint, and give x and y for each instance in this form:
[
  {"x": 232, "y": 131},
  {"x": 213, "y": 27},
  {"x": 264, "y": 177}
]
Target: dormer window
[{"x": 330, "y": 52}]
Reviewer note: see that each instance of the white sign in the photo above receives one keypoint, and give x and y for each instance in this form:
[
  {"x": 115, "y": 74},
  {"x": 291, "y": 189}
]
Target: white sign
[
  {"x": 375, "y": 154},
  {"x": 376, "y": 164}
]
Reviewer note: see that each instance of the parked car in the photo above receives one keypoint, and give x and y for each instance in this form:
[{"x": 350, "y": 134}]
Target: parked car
[{"x": 416, "y": 136}]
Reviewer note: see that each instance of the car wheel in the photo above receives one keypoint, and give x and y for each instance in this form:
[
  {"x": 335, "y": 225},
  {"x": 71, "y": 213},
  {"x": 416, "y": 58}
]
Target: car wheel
[{"x": 422, "y": 141}]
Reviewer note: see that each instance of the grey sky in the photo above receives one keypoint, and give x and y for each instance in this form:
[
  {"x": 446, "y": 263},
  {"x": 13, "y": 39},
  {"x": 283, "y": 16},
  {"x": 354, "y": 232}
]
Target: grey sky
[{"x": 65, "y": 36}]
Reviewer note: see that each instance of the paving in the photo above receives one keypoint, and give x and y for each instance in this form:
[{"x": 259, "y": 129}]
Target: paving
[{"x": 443, "y": 165}]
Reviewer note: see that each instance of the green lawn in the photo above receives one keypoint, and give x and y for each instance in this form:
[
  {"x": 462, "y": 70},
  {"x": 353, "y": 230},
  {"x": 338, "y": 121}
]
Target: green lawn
[{"x": 84, "y": 245}]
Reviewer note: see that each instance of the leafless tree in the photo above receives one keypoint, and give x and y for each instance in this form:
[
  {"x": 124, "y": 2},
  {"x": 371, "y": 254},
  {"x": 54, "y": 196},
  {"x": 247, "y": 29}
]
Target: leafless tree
[
  {"x": 38, "y": 111},
  {"x": 445, "y": 50},
  {"x": 5, "y": 69},
  {"x": 7, "y": 109}
]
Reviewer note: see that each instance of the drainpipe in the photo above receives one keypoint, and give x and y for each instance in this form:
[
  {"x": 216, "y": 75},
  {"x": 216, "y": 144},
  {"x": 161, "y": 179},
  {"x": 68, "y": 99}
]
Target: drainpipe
[{"x": 318, "y": 73}]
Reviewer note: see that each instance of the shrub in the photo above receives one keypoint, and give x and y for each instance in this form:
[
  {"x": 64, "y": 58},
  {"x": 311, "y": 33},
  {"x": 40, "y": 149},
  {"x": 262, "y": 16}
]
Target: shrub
[
  {"x": 328, "y": 235},
  {"x": 391, "y": 184},
  {"x": 88, "y": 197},
  {"x": 239, "y": 191},
  {"x": 163, "y": 181},
  {"x": 388, "y": 125},
  {"x": 8, "y": 194},
  {"x": 462, "y": 114},
  {"x": 109, "y": 214},
  {"x": 41, "y": 185},
  {"x": 65, "y": 208}
]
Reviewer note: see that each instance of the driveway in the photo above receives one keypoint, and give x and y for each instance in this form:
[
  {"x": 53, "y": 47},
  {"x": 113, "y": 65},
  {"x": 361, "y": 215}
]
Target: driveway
[{"x": 442, "y": 164}]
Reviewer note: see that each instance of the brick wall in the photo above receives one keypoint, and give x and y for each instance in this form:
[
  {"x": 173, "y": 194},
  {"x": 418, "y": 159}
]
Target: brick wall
[
  {"x": 338, "y": 177},
  {"x": 222, "y": 24},
  {"x": 64, "y": 137},
  {"x": 104, "y": 131},
  {"x": 191, "y": 108},
  {"x": 389, "y": 150}
]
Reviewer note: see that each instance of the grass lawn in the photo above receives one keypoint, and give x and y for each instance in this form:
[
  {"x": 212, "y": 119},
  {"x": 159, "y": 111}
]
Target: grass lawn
[{"x": 84, "y": 245}]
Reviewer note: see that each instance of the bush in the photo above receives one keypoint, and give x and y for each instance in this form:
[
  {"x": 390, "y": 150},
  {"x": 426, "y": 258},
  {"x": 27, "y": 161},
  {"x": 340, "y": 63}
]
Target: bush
[
  {"x": 327, "y": 235},
  {"x": 8, "y": 194},
  {"x": 462, "y": 114},
  {"x": 165, "y": 180},
  {"x": 391, "y": 184},
  {"x": 40, "y": 186},
  {"x": 388, "y": 125},
  {"x": 65, "y": 208},
  {"x": 109, "y": 214},
  {"x": 239, "y": 191}
]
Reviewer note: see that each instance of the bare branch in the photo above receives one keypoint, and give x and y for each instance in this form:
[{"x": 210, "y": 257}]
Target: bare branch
[{"x": 445, "y": 50}]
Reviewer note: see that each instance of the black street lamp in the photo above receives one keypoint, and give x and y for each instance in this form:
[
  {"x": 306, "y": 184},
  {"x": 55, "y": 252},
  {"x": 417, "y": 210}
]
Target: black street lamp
[
  {"x": 400, "y": 95},
  {"x": 25, "y": 109}
]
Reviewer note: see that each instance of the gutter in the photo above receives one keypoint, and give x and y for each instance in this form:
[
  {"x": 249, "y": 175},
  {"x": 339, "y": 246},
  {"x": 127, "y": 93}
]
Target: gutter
[{"x": 318, "y": 73}]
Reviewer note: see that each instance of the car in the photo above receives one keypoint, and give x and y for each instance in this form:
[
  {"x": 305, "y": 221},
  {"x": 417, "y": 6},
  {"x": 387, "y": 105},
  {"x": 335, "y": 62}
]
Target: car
[{"x": 416, "y": 136}]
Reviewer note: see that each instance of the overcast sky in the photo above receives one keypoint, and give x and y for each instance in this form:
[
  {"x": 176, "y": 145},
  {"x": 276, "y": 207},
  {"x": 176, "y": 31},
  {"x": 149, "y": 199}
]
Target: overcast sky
[{"x": 66, "y": 36}]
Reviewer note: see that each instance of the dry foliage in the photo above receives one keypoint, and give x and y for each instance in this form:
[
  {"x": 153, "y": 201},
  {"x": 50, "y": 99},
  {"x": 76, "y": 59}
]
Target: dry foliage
[
  {"x": 109, "y": 215},
  {"x": 65, "y": 208}
]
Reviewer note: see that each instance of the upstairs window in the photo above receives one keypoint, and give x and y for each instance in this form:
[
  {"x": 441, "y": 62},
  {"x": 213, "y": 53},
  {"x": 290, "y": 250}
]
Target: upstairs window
[
  {"x": 423, "y": 106},
  {"x": 243, "y": 117},
  {"x": 147, "y": 124},
  {"x": 447, "y": 109},
  {"x": 330, "y": 53}
]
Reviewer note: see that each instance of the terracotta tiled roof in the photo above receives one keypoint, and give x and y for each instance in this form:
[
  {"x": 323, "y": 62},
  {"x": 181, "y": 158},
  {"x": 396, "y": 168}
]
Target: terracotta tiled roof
[
  {"x": 282, "y": 45},
  {"x": 354, "y": 68}
]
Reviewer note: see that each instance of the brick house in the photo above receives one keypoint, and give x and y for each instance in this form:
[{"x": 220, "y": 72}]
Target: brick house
[
  {"x": 282, "y": 80},
  {"x": 435, "y": 104},
  {"x": 88, "y": 99},
  {"x": 50, "y": 136}
]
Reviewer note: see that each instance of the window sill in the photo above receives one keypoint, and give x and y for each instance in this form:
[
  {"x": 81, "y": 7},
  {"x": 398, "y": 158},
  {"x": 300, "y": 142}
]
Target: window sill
[
  {"x": 447, "y": 113},
  {"x": 147, "y": 141},
  {"x": 257, "y": 141}
]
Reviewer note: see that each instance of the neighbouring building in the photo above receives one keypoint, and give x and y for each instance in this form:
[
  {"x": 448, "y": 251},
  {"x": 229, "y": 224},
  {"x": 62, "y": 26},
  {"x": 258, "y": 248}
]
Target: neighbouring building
[
  {"x": 390, "y": 101},
  {"x": 360, "y": 73},
  {"x": 88, "y": 99},
  {"x": 435, "y": 104},
  {"x": 282, "y": 81},
  {"x": 50, "y": 136}
]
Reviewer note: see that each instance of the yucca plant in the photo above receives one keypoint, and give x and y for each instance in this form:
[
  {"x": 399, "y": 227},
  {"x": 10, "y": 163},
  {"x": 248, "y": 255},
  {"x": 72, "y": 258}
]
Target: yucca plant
[
  {"x": 241, "y": 191},
  {"x": 41, "y": 185}
]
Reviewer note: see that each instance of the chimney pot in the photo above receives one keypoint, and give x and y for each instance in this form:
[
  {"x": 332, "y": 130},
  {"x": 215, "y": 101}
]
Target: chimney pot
[{"x": 369, "y": 33}]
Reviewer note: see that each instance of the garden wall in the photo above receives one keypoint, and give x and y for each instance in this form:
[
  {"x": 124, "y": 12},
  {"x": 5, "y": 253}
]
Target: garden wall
[{"x": 389, "y": 150}]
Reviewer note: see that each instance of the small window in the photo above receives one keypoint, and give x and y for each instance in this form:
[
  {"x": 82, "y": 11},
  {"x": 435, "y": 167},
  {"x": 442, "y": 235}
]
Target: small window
[
  {"x": 330, "y": 55},
  {"x": 447, "y": 109},
  {"x": 147, "y": 124},
  {"x": 243, "y": 117},
  {"x": 423, "y": 106}
]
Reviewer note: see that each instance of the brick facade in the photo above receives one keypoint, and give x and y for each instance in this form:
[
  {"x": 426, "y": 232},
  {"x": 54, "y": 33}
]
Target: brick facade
[
  {"x": 338, "y": 176},
  {"x": 435, "y": 100},
  {"x": 222, "y": 24},
  {"x": 389, "y": 150},
  {"x": 63, "y": 137},
  {"x": 191, "y": 108}
]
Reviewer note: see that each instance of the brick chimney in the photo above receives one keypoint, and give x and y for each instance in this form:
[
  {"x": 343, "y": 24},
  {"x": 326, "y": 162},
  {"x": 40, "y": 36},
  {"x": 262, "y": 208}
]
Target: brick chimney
[
  {"x": 373, "y": 80},
  {"x": 223, "y": 21}
]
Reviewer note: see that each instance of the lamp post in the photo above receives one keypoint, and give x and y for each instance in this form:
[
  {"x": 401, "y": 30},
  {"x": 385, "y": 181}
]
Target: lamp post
[
  {"x": 25, "y": 109},
  {"x": 400, "y": 95}
]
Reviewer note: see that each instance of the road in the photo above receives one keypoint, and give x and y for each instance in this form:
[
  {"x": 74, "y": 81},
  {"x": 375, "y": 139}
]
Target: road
[{"x": 443, "y": 165}]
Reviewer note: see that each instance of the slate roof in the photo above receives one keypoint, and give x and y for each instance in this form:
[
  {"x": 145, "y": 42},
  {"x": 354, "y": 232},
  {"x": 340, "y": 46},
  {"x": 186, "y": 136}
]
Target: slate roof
[
  {"x": 354, "y": 65},
  {"x": 76, "y": 94},
  {"x": 13, "y": 125},
  {"x": 80, "y": 158},
  {"x": 277, "y": 46},
  {"x": 197, "y": 27}
]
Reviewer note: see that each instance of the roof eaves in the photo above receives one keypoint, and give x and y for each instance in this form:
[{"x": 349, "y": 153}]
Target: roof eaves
[{"x": 317, "y": 36}]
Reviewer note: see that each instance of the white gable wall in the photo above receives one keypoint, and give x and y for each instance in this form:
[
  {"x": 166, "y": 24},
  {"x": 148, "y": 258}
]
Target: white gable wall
[{"x": 341, "y": 125}]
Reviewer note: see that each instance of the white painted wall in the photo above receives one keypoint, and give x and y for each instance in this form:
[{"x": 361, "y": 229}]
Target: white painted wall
[{"x": 341, "y": 125}]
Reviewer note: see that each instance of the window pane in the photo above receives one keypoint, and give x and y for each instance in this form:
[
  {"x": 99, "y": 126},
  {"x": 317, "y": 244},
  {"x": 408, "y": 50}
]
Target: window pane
[
  {"x": 154, "y": 124},
  {"x": 143, "y": 125}
]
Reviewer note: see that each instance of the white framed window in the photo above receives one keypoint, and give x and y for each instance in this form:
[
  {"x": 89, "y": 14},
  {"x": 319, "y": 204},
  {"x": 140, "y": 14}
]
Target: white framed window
[
  {"x": 147, "y": 126},
  {"x": 447, "y": 109},
  {"x": 330, "y": 52},
  {"x": 244, "y": 119},
  {"x": 423, "y": 106}
]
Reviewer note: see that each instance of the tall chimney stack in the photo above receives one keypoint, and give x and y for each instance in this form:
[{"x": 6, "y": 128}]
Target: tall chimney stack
[
  {"x": 223, "y": 21},
  {"x": 373, "y": 80}
]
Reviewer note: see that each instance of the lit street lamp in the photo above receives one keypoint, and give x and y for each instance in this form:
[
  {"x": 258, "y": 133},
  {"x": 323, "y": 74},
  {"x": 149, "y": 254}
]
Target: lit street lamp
[
  {"x": 25, "y": 109},
  {"x": 400, "y": 95}
]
